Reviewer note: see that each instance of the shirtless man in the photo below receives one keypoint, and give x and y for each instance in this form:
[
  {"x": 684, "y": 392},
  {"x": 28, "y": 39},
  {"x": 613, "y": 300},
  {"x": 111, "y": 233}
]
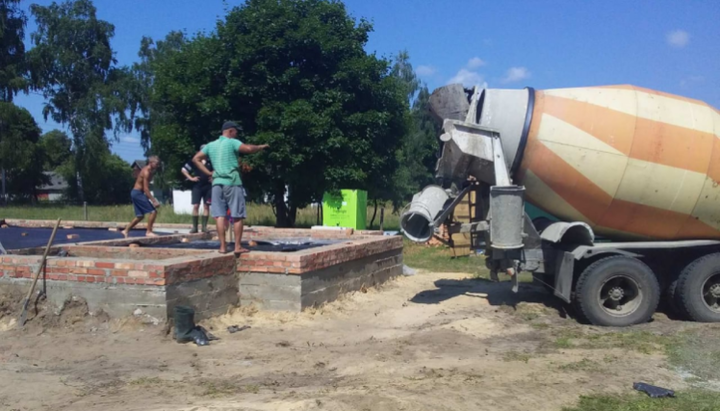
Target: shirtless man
[{"x": 142, "y": 198}]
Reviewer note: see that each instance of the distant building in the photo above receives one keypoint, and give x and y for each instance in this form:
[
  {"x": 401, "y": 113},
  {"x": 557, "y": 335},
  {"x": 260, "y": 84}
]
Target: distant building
[{"x": 54, "y": 190}]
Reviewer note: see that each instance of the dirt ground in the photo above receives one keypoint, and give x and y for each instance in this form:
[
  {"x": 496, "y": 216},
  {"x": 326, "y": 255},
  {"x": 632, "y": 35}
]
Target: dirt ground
[{"x": 424, "y": 342}]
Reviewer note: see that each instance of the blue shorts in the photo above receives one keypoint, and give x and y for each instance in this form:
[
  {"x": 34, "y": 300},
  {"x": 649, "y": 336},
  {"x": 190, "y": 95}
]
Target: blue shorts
[{"x": 141, "y": 203}]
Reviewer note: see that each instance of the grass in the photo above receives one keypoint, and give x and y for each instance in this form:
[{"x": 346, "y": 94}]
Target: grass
[
  {"x": 695, "y": 400},
  {"x": 258, "y": 214},
  {"x": 516, "y": 356},
  {"x": 442, "y": 259},
  {"x": 697, "y": 353},
  {"x": 640, "y": 341},
  {"x": 582, "y": 365}
]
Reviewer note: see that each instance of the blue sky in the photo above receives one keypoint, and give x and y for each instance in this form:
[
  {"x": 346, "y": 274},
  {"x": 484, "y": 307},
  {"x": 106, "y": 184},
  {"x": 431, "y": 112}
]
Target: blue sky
[{"x": 671, "y": 46}]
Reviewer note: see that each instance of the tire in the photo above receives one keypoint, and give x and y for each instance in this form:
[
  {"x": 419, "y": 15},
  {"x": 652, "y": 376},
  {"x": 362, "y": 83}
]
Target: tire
[
  {"x": 617, "y": 291},
  {"x": 697, "y": 294}
]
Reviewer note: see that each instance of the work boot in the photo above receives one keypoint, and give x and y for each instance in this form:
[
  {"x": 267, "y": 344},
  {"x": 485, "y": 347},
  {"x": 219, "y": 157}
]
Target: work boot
[
  {"x": 195, "y": 225},
  {"x": 204, "y": 224},
  {"x": 185, "y": 328}
]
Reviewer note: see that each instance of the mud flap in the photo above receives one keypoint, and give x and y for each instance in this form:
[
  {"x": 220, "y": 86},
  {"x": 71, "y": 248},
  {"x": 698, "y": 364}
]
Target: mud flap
[{"x": 564, "y": 267}]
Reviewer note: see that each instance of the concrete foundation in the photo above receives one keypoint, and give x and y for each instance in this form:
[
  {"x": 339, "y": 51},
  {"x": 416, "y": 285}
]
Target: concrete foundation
[{"x": 155, "y": 277}]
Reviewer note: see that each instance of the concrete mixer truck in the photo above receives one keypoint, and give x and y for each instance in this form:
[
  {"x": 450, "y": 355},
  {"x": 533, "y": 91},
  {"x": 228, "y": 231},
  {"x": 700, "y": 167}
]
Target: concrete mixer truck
[{"x": 630, "y": 174}]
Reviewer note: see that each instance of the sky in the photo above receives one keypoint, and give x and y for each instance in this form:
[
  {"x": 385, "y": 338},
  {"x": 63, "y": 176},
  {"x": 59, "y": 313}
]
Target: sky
[{"x": 670, "y": 46}]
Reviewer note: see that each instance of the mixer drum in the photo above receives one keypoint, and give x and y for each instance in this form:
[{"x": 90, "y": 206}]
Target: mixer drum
[{"x": 632, "y": 163}]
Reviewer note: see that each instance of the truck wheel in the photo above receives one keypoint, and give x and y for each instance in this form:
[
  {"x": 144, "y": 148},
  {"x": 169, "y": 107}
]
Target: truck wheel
[
  {"x": 697, "y": 294},
  {"x": 617, "y": 291}
]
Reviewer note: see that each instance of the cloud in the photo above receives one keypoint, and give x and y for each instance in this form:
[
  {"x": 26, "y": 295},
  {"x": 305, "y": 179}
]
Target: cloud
[
  {"x": 516, "y": 74},
  {"x": 678, "y": 38},
  {"x": 130, "y": 139},
  {"x": 691, "y": 80},
  {"x": 425, "y": 71},
  {"x": 475, "y": 63},
  {"x": 467, "y": 78}
]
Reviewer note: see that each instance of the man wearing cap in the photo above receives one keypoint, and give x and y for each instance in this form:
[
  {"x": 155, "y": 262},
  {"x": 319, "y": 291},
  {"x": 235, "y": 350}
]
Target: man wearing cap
[
  {"x": 201, "y": 191},
  {"x": 227, "y": 188}
]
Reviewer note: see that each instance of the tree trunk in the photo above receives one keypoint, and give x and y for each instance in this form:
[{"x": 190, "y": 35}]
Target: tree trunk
[{"x": 372, "y": 220}]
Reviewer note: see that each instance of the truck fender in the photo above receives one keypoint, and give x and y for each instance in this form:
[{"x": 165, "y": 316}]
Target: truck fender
[{"x": 576, "y": 233}]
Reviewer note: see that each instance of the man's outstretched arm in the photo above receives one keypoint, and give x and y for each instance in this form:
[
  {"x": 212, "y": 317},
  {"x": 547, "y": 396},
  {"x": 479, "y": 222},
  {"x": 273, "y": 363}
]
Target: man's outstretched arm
[{"x": 251, "y": 149}]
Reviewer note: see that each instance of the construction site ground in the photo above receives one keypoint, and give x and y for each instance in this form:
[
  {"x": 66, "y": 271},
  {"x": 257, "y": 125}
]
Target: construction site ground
[{"x": 432, "y": 341}]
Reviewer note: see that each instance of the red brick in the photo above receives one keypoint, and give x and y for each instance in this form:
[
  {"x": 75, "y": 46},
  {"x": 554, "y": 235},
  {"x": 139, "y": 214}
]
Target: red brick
[
  {"x": 95, "y": 271},
  {"x": 138, "y": 273},
  {"x": 119, "y": 273},
  {"x": 104, "y": 265}
]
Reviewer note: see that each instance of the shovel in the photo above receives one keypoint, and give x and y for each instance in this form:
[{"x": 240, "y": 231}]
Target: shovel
[{"x": 23, "y": 315}]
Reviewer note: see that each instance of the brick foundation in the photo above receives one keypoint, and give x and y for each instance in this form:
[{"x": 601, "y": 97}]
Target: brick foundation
[{"x": 118, "y": 279}]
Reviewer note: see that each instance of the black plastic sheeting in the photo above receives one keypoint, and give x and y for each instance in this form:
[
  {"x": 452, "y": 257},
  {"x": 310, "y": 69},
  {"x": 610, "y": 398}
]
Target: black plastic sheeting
[
  {"x": 653, "y": 391},
  {"x": 12, "y": 238},
  {"x": 266, "y": 246}
]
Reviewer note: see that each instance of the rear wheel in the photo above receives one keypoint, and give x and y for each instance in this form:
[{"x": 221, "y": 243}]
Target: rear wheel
[
  {"x": 617, "y": 291},
  {"x": 697, "y": 294}
]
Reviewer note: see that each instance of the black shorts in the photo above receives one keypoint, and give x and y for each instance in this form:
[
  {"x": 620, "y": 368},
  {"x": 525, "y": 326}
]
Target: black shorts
[{"x": 201, "y": 192}]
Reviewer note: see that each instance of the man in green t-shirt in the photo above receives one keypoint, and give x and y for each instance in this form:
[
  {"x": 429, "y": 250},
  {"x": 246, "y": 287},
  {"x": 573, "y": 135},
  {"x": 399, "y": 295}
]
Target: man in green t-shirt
[{"x": 227, "y": 189}]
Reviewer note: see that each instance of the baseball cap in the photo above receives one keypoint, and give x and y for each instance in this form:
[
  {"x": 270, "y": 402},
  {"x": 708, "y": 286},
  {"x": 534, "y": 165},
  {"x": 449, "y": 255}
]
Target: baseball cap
[{"x": 231, "y": 124}]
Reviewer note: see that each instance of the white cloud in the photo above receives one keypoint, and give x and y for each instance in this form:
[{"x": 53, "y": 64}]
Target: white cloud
[
  {"x": 425, "y": 71},
  {"x": 678, "y": 38},
  {"x": 516, "y": 74},
  {"x": 467, "y": 78},
  {"x": 130, "y": 139},
  {"x": 475, "y": 63},
  {"x": 691, "y": 80}
]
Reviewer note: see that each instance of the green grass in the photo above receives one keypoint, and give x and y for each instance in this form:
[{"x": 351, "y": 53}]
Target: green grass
[
  {"x": 258, "y": 214},
  {"x": 516, "y": 356},
  {"x": 582, "y": 365},
  {"x": 640, "y": 341},
  {"x": 696, "y": 352},
  {"x": 442, "y": 259},
  {"x": 696, "y": 400}
]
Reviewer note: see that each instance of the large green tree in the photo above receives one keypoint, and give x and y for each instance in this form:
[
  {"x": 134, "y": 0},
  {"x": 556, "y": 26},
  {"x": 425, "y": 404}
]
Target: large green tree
[
  {"x": 296, "y": 75},
  {"x": 72, "y": 64},
  {"x": 12, "y": 49},
  {"x": 20, "y": 155}
]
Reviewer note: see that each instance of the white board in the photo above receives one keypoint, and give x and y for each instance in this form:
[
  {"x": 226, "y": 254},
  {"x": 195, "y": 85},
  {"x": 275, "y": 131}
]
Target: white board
[{"x": 182, "y": 202}]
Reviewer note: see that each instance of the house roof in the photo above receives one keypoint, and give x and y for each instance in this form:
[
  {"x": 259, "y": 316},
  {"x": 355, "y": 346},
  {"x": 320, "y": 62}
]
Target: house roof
[
  {"x": 55, "y": 182},
  {"x": 139, "y": 163}
]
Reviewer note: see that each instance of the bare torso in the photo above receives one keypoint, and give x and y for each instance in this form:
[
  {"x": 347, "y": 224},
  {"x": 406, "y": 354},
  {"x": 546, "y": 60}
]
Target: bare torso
[{"x": 143, "y": 179}]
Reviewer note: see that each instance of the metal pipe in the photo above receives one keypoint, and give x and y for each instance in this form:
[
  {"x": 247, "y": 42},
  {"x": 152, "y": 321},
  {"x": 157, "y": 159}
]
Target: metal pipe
[{"x": 418, "y": 221}]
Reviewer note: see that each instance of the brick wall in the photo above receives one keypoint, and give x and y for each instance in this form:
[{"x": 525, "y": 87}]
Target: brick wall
[{"x": 300, "y": 262}]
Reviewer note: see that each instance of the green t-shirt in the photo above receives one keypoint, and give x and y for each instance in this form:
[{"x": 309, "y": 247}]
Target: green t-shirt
[{"x": 223, "y": 154}]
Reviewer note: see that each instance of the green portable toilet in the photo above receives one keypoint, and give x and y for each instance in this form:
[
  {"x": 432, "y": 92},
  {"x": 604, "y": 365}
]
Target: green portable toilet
[{"x": 348, "y": 209}]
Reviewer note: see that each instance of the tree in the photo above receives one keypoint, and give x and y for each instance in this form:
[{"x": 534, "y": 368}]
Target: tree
[
  {"x": 12, "y": 49},
  {"x": 20, "y": 156},
  {"x": 112, "y": 180},
  {"x": 417, "y": 155},
  {"x": 57, "y": 148},
  {"x": 295, "y": 74},
  {"x": 72, "y": 64}
]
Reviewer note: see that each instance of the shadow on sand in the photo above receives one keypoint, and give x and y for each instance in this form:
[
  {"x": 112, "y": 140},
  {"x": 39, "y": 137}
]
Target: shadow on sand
[{"x": 496, "y": 293}]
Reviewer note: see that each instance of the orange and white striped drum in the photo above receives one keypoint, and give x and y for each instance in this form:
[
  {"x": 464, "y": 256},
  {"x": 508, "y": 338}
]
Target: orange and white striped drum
[{"x": 631, "y": 162}]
